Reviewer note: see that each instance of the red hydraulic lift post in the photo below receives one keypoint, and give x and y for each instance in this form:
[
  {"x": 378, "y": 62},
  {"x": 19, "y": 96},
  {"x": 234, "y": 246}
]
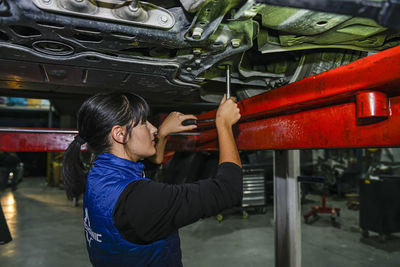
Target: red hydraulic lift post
[{"x": 356, "y": 105}]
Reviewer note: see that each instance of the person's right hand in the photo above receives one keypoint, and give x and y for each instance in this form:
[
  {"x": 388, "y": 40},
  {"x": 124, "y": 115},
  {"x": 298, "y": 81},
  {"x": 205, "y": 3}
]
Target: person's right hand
[{"x": 228, "y": 112}]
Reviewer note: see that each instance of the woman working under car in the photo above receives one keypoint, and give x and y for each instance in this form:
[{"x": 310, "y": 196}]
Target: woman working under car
[{"x": 130, "y": 220}]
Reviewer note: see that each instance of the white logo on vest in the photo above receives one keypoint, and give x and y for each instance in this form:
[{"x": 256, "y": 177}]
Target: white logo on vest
[{"x": 90, "y": 235}]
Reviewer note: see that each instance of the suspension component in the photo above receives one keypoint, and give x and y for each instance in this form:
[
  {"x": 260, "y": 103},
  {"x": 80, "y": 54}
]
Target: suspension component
[{"x": 131, "y": 12}]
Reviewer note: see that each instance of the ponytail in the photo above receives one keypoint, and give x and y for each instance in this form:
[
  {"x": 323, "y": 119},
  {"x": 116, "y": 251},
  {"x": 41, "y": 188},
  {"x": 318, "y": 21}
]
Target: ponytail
[
  {"x": 73, "y": 169},
  {"x": 96, "y": 117}
]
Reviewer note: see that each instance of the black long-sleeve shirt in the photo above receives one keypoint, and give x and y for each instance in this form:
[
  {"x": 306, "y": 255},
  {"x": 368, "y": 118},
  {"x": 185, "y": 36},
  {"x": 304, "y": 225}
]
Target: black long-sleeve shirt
[{"x": 147, "y": 211}]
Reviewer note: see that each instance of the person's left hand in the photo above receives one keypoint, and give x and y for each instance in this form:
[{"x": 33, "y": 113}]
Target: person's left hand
[{"x": 173, "y": 124}]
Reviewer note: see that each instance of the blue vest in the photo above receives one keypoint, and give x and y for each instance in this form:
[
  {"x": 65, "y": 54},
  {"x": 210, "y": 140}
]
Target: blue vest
[{"x": 106, "y": 180}]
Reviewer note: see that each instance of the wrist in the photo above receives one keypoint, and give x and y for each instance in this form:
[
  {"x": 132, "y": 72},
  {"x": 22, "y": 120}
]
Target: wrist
[
  {"x": 161, "y": 134},
  {"x": 220, "y": 123}
]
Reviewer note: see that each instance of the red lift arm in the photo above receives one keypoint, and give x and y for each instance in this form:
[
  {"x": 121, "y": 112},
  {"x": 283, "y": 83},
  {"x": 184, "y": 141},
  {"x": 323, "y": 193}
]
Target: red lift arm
[{"x": 356, "y": 105}]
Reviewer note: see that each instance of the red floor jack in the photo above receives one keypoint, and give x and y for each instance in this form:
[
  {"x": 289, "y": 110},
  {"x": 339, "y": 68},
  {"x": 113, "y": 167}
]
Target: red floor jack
[{"x": 315, "y": 210}]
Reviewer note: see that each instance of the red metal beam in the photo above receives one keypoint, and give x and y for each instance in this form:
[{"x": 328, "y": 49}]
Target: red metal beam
[
  {"x": 356, "y": 105},
  {"x": 34, "y": 140},
  {"x": 379, "y": 72},
  {"x": 328, "y": 127}
]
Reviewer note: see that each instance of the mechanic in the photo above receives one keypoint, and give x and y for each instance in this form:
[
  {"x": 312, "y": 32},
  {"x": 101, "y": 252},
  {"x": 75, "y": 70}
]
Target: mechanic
[{"x": 130, "y": 220}]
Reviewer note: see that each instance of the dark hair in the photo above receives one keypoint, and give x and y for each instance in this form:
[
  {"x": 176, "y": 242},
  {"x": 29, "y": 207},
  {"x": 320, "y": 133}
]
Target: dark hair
[{"x": 96, "y": 117}]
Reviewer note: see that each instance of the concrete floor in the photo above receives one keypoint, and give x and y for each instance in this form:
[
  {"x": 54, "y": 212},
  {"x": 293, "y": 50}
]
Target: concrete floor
[{"x": 47, "y": 231}]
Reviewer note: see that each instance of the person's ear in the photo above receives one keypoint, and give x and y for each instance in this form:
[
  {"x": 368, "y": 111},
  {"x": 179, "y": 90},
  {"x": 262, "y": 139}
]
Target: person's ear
[{"x": 118, "y": 134}]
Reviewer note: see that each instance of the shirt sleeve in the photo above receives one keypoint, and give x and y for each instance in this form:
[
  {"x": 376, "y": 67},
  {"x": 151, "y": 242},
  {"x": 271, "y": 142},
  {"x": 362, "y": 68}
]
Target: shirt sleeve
[{"x": 148, "y": 211}]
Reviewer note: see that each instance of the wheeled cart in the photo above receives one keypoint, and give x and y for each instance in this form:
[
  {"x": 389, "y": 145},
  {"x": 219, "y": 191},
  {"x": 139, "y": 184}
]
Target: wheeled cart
[{"x": 254, "y": 194}]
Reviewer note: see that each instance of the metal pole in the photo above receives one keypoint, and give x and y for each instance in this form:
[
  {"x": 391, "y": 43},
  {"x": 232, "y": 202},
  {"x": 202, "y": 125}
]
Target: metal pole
[
  {"x": 228, "y": 81},
  {"x": 50, "y": 117},
  {"x": 287, "y": 217},
  {"x": 49, "y": 169}
]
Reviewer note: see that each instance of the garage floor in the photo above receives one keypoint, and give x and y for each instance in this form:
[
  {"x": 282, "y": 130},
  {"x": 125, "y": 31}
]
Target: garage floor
[{"x": 47, "y": 231}]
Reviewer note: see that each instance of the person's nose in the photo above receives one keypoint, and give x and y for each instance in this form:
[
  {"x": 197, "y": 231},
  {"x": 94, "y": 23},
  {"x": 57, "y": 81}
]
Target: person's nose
[{"x": 153, "y": 129}]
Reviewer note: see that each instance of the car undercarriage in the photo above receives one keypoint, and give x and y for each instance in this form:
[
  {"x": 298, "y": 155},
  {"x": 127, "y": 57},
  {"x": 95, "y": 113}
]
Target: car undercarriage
[{"x": 173, "y": 53}]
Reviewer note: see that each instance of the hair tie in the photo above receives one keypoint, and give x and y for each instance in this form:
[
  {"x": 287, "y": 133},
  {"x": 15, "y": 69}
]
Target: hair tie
[{"x": 79, "y": 139}]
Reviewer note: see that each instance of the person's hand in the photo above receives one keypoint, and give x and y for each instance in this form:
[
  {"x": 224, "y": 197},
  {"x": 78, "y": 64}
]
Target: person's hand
[
  {"x": 173, "y": 124},
  {"x": 228, "y": 112}
]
